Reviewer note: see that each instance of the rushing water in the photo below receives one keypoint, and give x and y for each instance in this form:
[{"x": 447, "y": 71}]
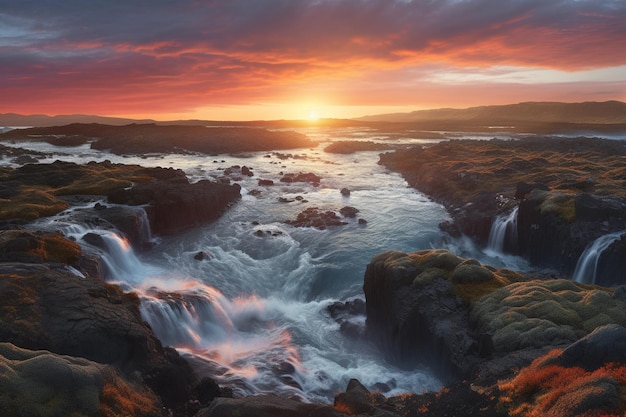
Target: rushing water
[
  {"x": 253, "y": 313},
  {"x": 587, "y": 265},
  {"x": 503, "y": 231}
]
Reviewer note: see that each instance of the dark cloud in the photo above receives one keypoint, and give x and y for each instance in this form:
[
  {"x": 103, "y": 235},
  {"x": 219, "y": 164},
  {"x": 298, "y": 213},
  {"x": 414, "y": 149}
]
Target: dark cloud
[{"x": 204, "y": 49}]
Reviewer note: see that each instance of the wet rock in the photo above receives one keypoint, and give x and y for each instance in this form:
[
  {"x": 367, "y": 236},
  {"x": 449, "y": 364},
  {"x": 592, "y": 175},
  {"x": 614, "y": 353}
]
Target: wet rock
[
  {"x": 302, "y": 177},
  {"x": 91, "y": 319},
  {"x": 265, "y": 183},
  {"x": 319, "y": 219},
  {"x": 345, "y": 192},
  {"x": 348, "y": 211},
  {"x": 174, "y": 206}
]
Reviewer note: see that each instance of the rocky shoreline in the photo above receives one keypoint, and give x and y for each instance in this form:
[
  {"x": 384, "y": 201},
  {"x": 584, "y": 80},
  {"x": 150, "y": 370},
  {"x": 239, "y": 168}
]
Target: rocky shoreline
[
  {"x": 504, "y": 342},
  {"x": 569, "y": 192}
]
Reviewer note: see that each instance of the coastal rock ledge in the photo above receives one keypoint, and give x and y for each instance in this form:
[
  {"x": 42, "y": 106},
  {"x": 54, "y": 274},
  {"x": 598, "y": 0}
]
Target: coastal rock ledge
[{"x": 482, "y": 324}]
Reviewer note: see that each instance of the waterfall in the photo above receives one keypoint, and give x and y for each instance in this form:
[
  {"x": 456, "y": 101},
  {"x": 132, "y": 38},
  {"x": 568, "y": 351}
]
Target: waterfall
[
  {"x": 503, "y": 229},
  {"x": 587, "y": 264}
]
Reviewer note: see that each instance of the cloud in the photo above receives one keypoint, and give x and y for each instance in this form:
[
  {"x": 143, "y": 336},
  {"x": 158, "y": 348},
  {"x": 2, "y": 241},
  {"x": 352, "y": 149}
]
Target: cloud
[{"x": 193, "y": 52}]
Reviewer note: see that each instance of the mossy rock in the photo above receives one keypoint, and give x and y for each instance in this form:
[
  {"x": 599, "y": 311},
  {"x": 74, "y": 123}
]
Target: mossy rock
[
  {"x": 540, "y": 313},
  {"x": 556, "y": 202},
  {"x": 23, "y": 246},
  {"x": 471, "y": 273},
  {"x": 44, "y": 384},
  {"x": 31, "y": 203}
]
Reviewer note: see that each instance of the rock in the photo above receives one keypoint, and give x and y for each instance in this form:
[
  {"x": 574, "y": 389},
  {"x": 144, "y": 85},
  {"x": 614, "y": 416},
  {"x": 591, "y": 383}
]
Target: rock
[
  {"x": 415, "y": 312},
  {"x": 139, "y": 139},
  {"x": 362, "y": 221},
  {"x": 132, "y": 222},
  {"x": 246, "y": 171},
  {"x": 265, "y": 183},
  {"x": 46, "y": 384},
  {"x": 314, "y": 217},
  {"x": 174, "y": 206},
  {"x": 523, "y": 188},
  {"x": 345, "y": 192},
  {"x": 302, "y": 177},
  {"x": 38, "y": 247},
  {"x": 202, "y": 256},
  {"x": 348, "y": 211},
  {"x": 41, "y": 308},
  {"x": 606, "y": 344}
]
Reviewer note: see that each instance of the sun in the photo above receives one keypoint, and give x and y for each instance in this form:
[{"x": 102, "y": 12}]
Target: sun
[{"x": 313, "y": 115}]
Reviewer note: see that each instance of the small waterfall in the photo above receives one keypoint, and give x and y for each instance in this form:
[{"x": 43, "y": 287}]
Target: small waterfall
[
  {"x": 144, "y": 226},
  {"x": 119, "y": 261},
  {"x": 503, "y": 229},
  {"x": 587, "y": 264}
]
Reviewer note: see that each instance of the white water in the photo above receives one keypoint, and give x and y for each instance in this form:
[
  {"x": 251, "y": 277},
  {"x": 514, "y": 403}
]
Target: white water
[
  {"x": 503, "y": 229},
  {"x": 587, "y": 265},
  {"x": 253, "y": 315}
]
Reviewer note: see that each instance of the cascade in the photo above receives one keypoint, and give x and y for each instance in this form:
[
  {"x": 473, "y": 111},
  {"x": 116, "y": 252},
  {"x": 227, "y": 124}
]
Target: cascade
[
  {"x": 503, "y": 229},
  {"x": 587, "y": 264}
]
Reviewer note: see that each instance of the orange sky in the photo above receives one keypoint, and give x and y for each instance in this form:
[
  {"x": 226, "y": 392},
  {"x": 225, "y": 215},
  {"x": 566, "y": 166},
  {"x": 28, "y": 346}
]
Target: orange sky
[{"x": 273, "y": 59}]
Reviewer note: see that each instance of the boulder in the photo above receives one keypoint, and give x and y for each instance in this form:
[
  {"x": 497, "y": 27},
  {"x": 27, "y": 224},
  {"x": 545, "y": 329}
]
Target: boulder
[
  {"x": 302, "y": 177},
  {"x": 606, "y": 344},
  {"x": 416, "y": 314},
  {"x": 41, "y": 383},
  {"x": 175, "y": 205},
  {"x": 314, "y": 217}
]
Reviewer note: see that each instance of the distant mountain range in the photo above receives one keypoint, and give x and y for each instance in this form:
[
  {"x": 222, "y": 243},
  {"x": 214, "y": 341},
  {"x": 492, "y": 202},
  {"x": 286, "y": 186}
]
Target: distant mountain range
[
  {"x": 522, "y": 114},
  {"x": 608, "y": 112}
]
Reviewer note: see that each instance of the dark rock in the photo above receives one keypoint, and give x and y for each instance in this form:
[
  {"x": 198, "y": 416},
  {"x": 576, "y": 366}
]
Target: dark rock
[
  {"x": 604, "y": 345},
  {"x": 345, "y": 192},
  {"x": 348, "y": 211},
  {"x": 207, "y": 390},
  {"x": 139, "y": 139},
  {"x": 37, "y": 247},
  {"x": 174, "y": 206},
  {"x": 599, "y": 208},
  {"x": 414, "y": 323},
  {"x": 523, "y": 188},
  {"x": 246, "y": 171},
  {"x": 265, "y": 183},
  {"x": 314, "y": 217},
  {"x": 362, "y": 221},
  {"x": 91, "y": 319},
  {"x": 202, "y": 256},
  {"x": 302, "y": 177}
]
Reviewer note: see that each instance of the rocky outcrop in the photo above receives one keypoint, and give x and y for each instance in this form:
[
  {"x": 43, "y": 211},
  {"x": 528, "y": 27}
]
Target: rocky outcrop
[
  {"x": 139, "y": 139},
  {"x": 438, "y": 308},
  {"x": 569, "y": 191},
  {"x": 554, "y": 228},
  {"x": 176, "y": 205},
  {"x": 41, "y": 383},
  {"x": 54, "y": 310}
]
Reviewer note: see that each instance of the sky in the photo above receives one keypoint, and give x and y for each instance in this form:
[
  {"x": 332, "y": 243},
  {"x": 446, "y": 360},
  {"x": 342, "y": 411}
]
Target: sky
[{"x": 299, "y": 59}]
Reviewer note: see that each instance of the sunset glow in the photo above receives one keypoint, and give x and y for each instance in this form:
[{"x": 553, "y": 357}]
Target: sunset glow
[{"x": 249, "y": 60}]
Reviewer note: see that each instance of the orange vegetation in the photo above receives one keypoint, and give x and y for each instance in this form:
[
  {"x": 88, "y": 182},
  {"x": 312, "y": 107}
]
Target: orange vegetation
[
  {"x": 120, "y": 398},
  {"x": 547, "y": 388}
]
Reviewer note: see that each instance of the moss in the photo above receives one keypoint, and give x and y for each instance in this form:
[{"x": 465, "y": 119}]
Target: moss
[
  {"x": 58, "y": 249},
  {"x": 561, "y": 204},
  {"x": 121, "y": 398},
  {"x": 536, "y": 313},
  {"x": 31, "y": 203},
  {"x": 94, "y": 186}
]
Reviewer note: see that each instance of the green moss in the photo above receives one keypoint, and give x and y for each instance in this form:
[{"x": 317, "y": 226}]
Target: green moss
[{"x": 561, "y": 204}]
